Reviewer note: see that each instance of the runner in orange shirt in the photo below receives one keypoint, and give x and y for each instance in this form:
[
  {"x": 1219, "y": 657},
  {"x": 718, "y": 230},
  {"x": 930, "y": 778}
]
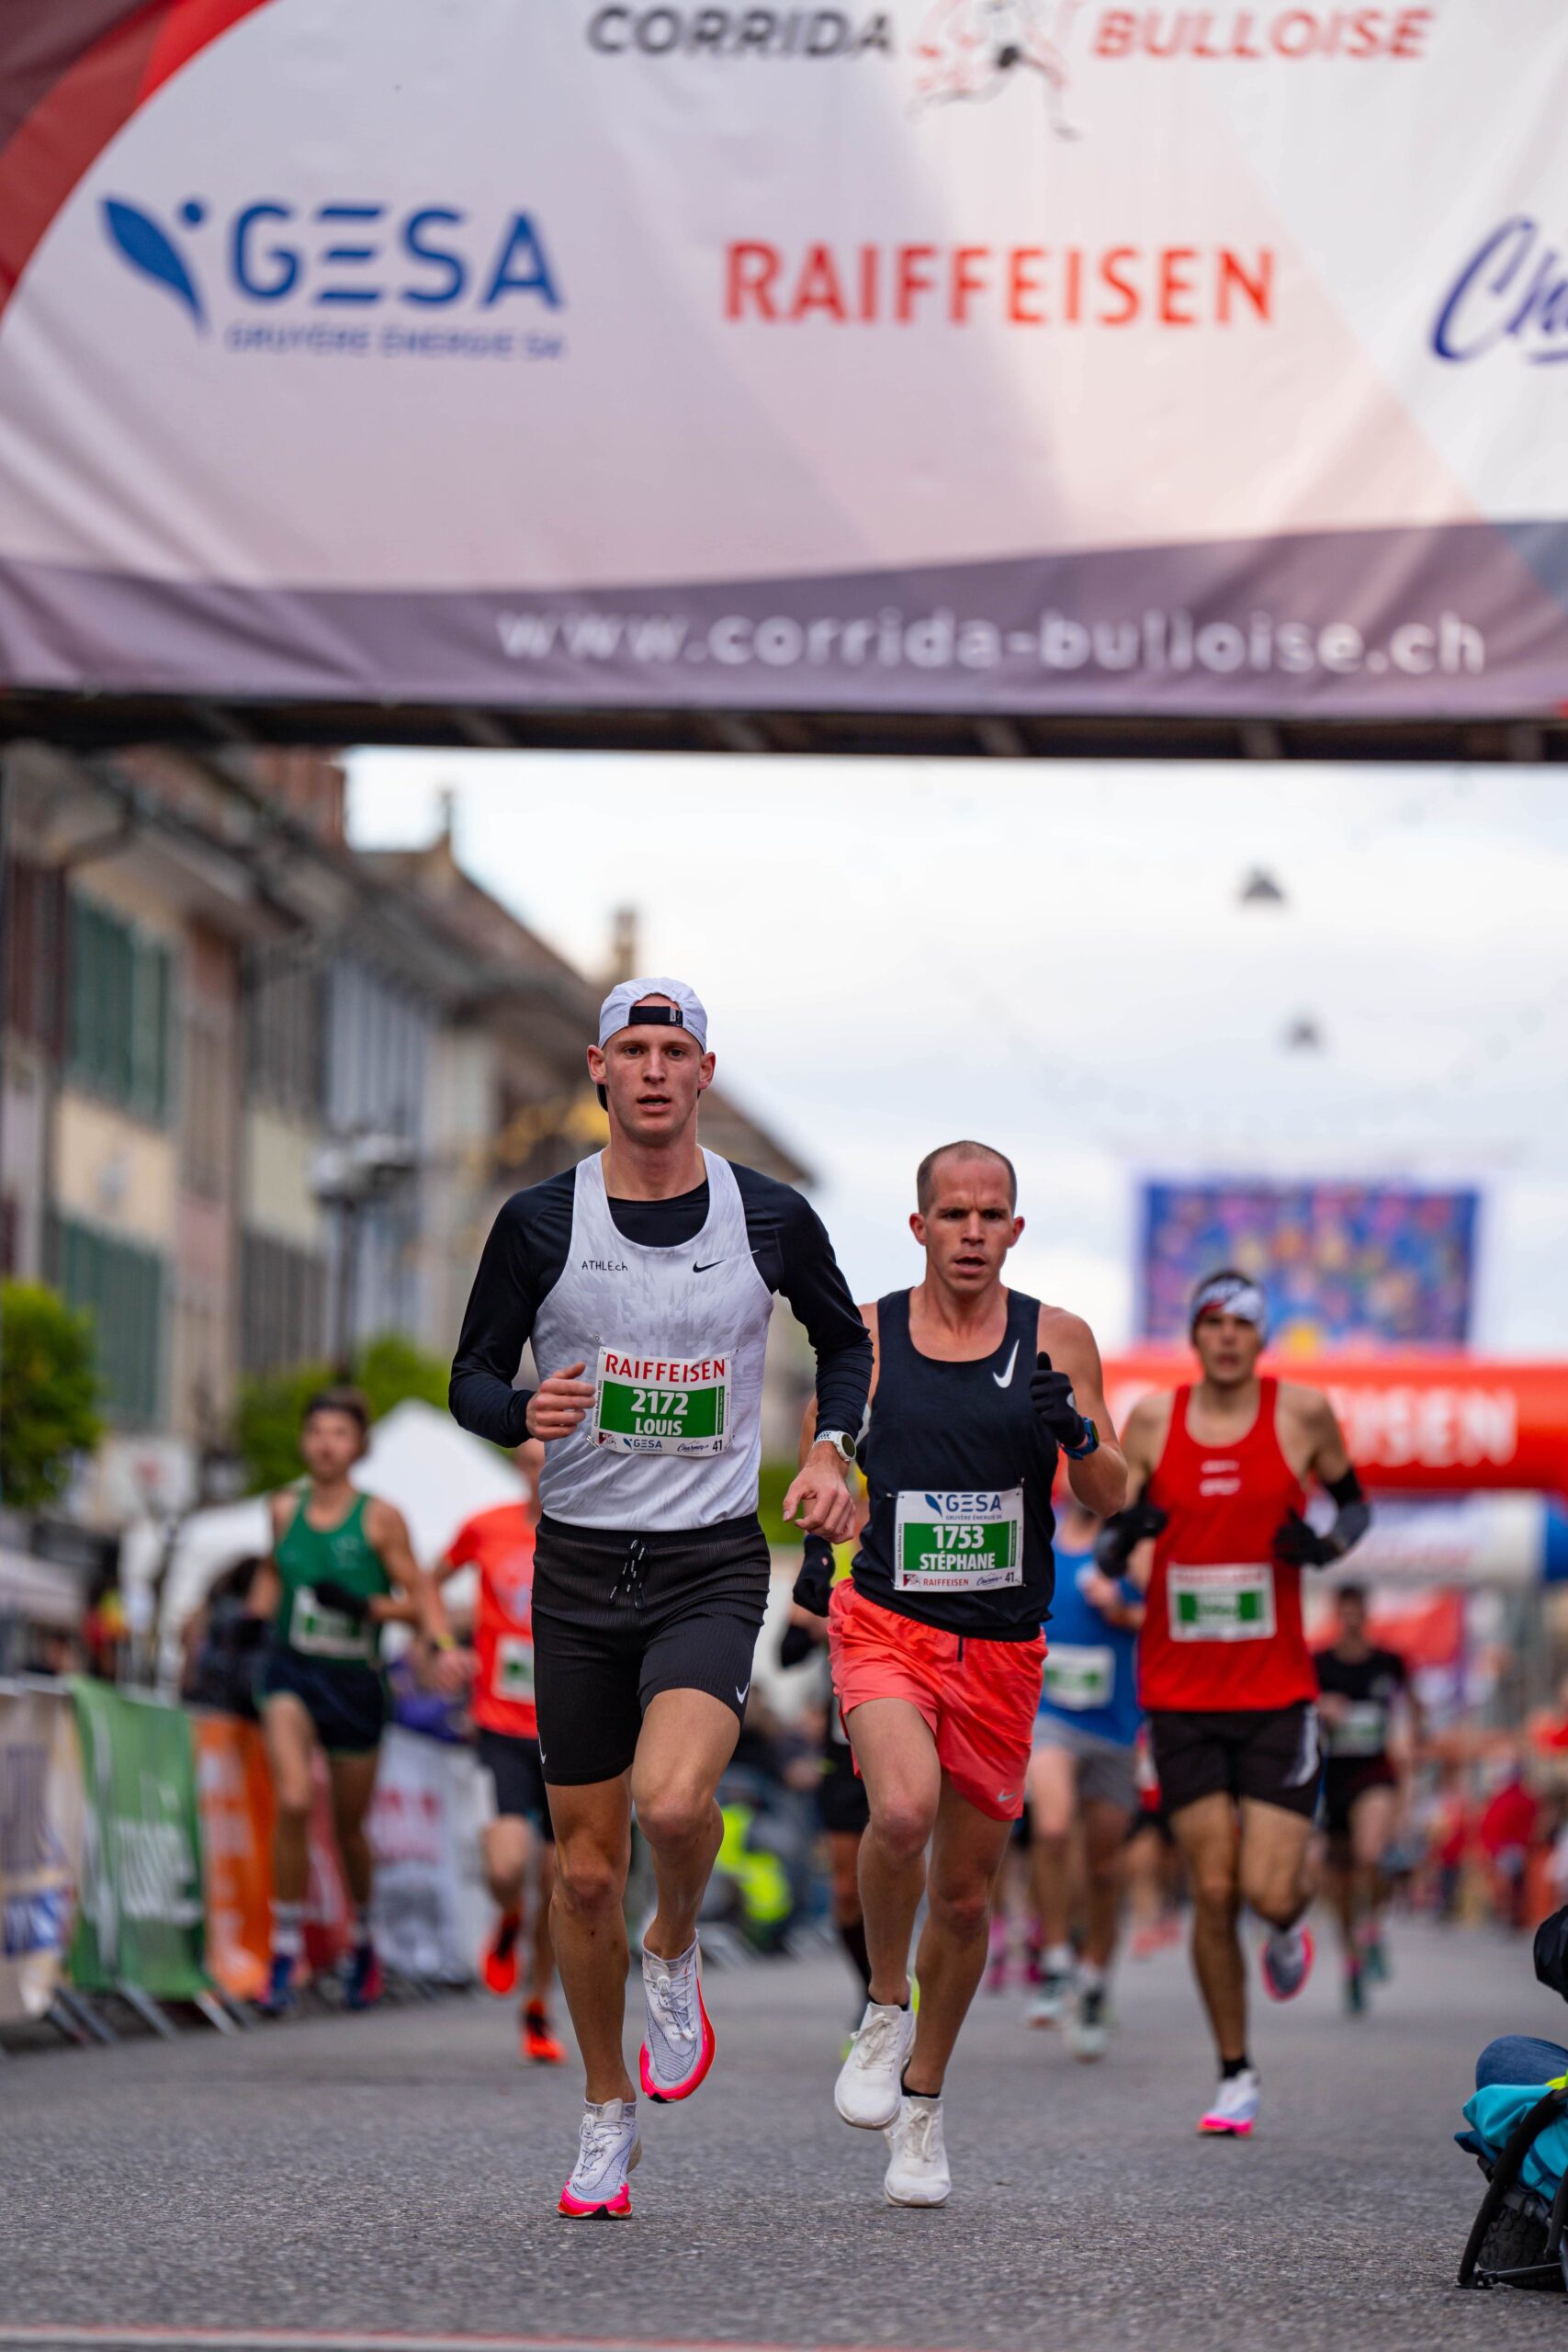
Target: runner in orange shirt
[{"x": 500, "y": 1544}]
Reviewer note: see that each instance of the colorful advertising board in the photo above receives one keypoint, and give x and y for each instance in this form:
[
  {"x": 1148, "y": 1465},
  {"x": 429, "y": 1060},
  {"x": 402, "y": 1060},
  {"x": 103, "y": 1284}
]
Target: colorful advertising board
[
  {"x": 1342, "y": 1265},
  {"x": 977, "y": 355}
]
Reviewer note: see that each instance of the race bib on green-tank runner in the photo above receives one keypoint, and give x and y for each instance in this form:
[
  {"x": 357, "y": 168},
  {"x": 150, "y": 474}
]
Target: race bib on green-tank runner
[
  {"x": 1221, "y": 1604},
  {"x": 959, "y": 1541},
  {"x": 647, "y": 1404},
  {"x": 316, "y": 1630},
  {"x": 512, "y": 1674},
  {"x": 1081, "y": 1674}
]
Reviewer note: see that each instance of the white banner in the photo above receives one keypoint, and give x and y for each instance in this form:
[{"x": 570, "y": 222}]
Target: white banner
[
  {"x": 41, "y": 1846},
  {"x": 423, "y": 1832},
  {"x": 946, "y": 354}
]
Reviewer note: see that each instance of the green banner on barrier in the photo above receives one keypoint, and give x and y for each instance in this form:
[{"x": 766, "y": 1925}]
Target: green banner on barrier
[{"x": 139, "y": 1917}]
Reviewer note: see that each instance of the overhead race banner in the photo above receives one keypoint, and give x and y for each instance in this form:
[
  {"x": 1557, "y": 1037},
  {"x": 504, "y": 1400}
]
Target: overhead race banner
[
  {"x": 139, "y": 1920},
  {"x": 978, "y": 354},
  {"x": 41, "y": 1848}
]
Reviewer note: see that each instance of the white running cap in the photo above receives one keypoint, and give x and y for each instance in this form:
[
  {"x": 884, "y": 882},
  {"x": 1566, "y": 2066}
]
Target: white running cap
[{"x": 624, "y": 1009}]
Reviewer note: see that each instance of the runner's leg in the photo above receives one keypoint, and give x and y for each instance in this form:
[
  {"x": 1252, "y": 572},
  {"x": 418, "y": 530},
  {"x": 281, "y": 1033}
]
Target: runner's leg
[
  {"x": 844, "y": 1866},
  {"x": 352, "y": 1782},
  {"x": 968, "y": 1851},
  {"x": 543, "y": 1968},
  {"x": 593, "y": 1825},
  {"x": 1206, "y": 1833},
  {"x": 1053, "y": 1796},
  {"x": 506, "y": 1841},
  {"x": 1372, "y": 1818},
  {"x": 1105, "y": 1844},
  {"x": 291, "y": 1746},
  {"x": 687, "y": 1739},
  {"x": 1273, "y": 1861},
  {"x": 896, "y": 1755}
]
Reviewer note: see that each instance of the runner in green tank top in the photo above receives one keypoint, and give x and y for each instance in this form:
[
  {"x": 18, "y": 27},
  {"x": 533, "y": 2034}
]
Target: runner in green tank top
[{"x": 341, "y": 1566}]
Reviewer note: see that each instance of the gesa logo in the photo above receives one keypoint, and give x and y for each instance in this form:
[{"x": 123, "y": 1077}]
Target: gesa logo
[{"x": 340, "y": 256}]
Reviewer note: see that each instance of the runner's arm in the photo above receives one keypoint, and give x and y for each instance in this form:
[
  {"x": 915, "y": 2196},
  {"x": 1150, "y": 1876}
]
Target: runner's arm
[
  {"x": 795, "y": 1259},
  {"x": 497, "y": 1327},
  {"x": 388, "y": 1535},
  {"x": 1100, "y": 1481},
  {"x": 1329, "y": 1463},
  {"x": 267, "y": 1588},
  {"x": 1130, "y": 1528}
]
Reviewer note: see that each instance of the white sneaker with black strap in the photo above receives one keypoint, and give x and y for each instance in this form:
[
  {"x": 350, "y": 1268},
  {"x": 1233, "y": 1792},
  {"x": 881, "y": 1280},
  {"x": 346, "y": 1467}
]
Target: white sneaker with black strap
[
  {"x": 869, "y": 2087},
  {"x": 916, "y": 2171}
]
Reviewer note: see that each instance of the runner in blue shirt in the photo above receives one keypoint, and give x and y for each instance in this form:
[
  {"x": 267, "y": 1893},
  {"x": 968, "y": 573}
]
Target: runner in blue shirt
[{"x": 1083, "y": 1769}]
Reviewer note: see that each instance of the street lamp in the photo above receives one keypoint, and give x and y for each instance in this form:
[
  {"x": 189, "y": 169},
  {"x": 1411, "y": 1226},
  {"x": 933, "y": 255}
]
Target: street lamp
[{"x": 347, "y": 1175}]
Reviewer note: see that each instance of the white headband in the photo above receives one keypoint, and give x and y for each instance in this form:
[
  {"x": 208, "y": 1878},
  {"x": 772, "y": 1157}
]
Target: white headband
[{"x": 1232, "y": 1294}]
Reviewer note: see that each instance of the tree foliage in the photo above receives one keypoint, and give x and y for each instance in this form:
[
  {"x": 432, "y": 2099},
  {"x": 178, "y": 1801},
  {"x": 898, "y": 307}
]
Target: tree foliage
[
  {"x": 49, "y": 1393},
  {"x": 390, "y": 1370}
]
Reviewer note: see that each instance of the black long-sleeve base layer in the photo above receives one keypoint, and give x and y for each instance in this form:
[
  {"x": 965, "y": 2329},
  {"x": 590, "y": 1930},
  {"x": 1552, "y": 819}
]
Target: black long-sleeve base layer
[{"x": 527, "y": 1247}]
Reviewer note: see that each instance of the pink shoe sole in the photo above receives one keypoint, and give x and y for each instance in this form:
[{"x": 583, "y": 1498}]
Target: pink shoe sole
[
  {"x": 618, "y": 2209},
  {"x": 1213, "y": 2127}
]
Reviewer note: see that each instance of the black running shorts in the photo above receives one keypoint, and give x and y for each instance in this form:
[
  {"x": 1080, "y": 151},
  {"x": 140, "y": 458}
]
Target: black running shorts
[
  {"x": 1344, "y": 1779},
  {"x": 348, "y": 1704},
  {"x": 512, "y": 1764},
  {"x": 618, "y": 1617},
  {"x": 842, "y": 1801},
  {"x": 1270, "y": 1754}
]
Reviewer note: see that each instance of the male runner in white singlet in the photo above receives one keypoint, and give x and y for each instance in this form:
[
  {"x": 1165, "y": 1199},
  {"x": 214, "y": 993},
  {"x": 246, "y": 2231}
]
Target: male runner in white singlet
[{"x": 644, "y": 1277}]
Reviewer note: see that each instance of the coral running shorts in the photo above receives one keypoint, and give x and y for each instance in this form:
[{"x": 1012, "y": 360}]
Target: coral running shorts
[{"x": 978, "y": 1698}]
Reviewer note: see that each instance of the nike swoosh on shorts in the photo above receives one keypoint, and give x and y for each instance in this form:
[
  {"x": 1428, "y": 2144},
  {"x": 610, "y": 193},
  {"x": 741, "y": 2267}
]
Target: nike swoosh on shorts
[
  {"x": 741, "y": 1694},
  {"x": 1004, "y": 1379}
]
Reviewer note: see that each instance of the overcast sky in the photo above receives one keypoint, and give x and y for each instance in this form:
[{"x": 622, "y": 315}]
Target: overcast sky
[{"x": 1055, "y": 958}]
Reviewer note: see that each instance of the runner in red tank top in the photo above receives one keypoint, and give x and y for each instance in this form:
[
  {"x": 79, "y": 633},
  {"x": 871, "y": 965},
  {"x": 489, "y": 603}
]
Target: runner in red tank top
[
  {"x": 1226, "y": 1676},
  {"x": 499, "y": 1543}
]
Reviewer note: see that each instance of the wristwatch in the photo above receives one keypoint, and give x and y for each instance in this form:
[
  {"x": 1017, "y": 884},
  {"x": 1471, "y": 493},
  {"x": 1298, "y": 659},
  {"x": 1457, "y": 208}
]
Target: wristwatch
[
  {"x": 843, "y": 1445},
  {"x": 1090, "y": 1444}
]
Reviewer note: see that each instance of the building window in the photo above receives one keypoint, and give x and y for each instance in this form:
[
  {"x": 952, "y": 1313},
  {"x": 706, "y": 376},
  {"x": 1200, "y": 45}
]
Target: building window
[
  {"x": 283, "y": 1295},
  {"x": 121, "y": 995},
  {"x": 121, "y": 1287},
  {"x": 282, "y": 1031},
  {"x": 34, "y": 950}
]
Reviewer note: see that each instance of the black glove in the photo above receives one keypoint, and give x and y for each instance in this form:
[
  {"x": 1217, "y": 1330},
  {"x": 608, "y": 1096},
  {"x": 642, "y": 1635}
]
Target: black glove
[
  {"x": 1051, "y": 1394},
  {"x": 799, "y": 1643},
  {"x": 341, "y": 1597},
  {"x": 814, "y": 1585},
  {"x": 1297, "y": 1545},
  {"x": 1121, "y": 1536}
]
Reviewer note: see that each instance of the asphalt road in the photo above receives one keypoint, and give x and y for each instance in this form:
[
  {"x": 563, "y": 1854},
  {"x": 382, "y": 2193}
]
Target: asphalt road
[{"x": 396, "y": 2173}]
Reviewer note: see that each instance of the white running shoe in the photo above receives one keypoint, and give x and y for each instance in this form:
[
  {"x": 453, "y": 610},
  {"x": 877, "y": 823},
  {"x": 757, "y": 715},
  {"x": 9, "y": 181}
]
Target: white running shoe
[
  {"x": 1086, "y": 2028},
  {"x": 1049, "y": 2005},
  {"x": 916, "y": 2172},
  {"x": 679, "y": 2047},
  {"x": 1235, "y": 2109},
  {"x": 608, "y": 2148},
  {"x": 1286, "y": 1961},
  {"x": 869, "y": 2087}
]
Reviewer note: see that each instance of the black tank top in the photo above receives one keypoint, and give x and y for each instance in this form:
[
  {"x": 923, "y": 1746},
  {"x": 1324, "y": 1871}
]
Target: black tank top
[{"x": 955, "y": 1440}]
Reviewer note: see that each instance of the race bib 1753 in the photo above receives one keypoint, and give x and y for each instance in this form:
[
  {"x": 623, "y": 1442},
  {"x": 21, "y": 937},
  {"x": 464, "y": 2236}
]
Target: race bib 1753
[{"x": 958, "y": 1541}]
